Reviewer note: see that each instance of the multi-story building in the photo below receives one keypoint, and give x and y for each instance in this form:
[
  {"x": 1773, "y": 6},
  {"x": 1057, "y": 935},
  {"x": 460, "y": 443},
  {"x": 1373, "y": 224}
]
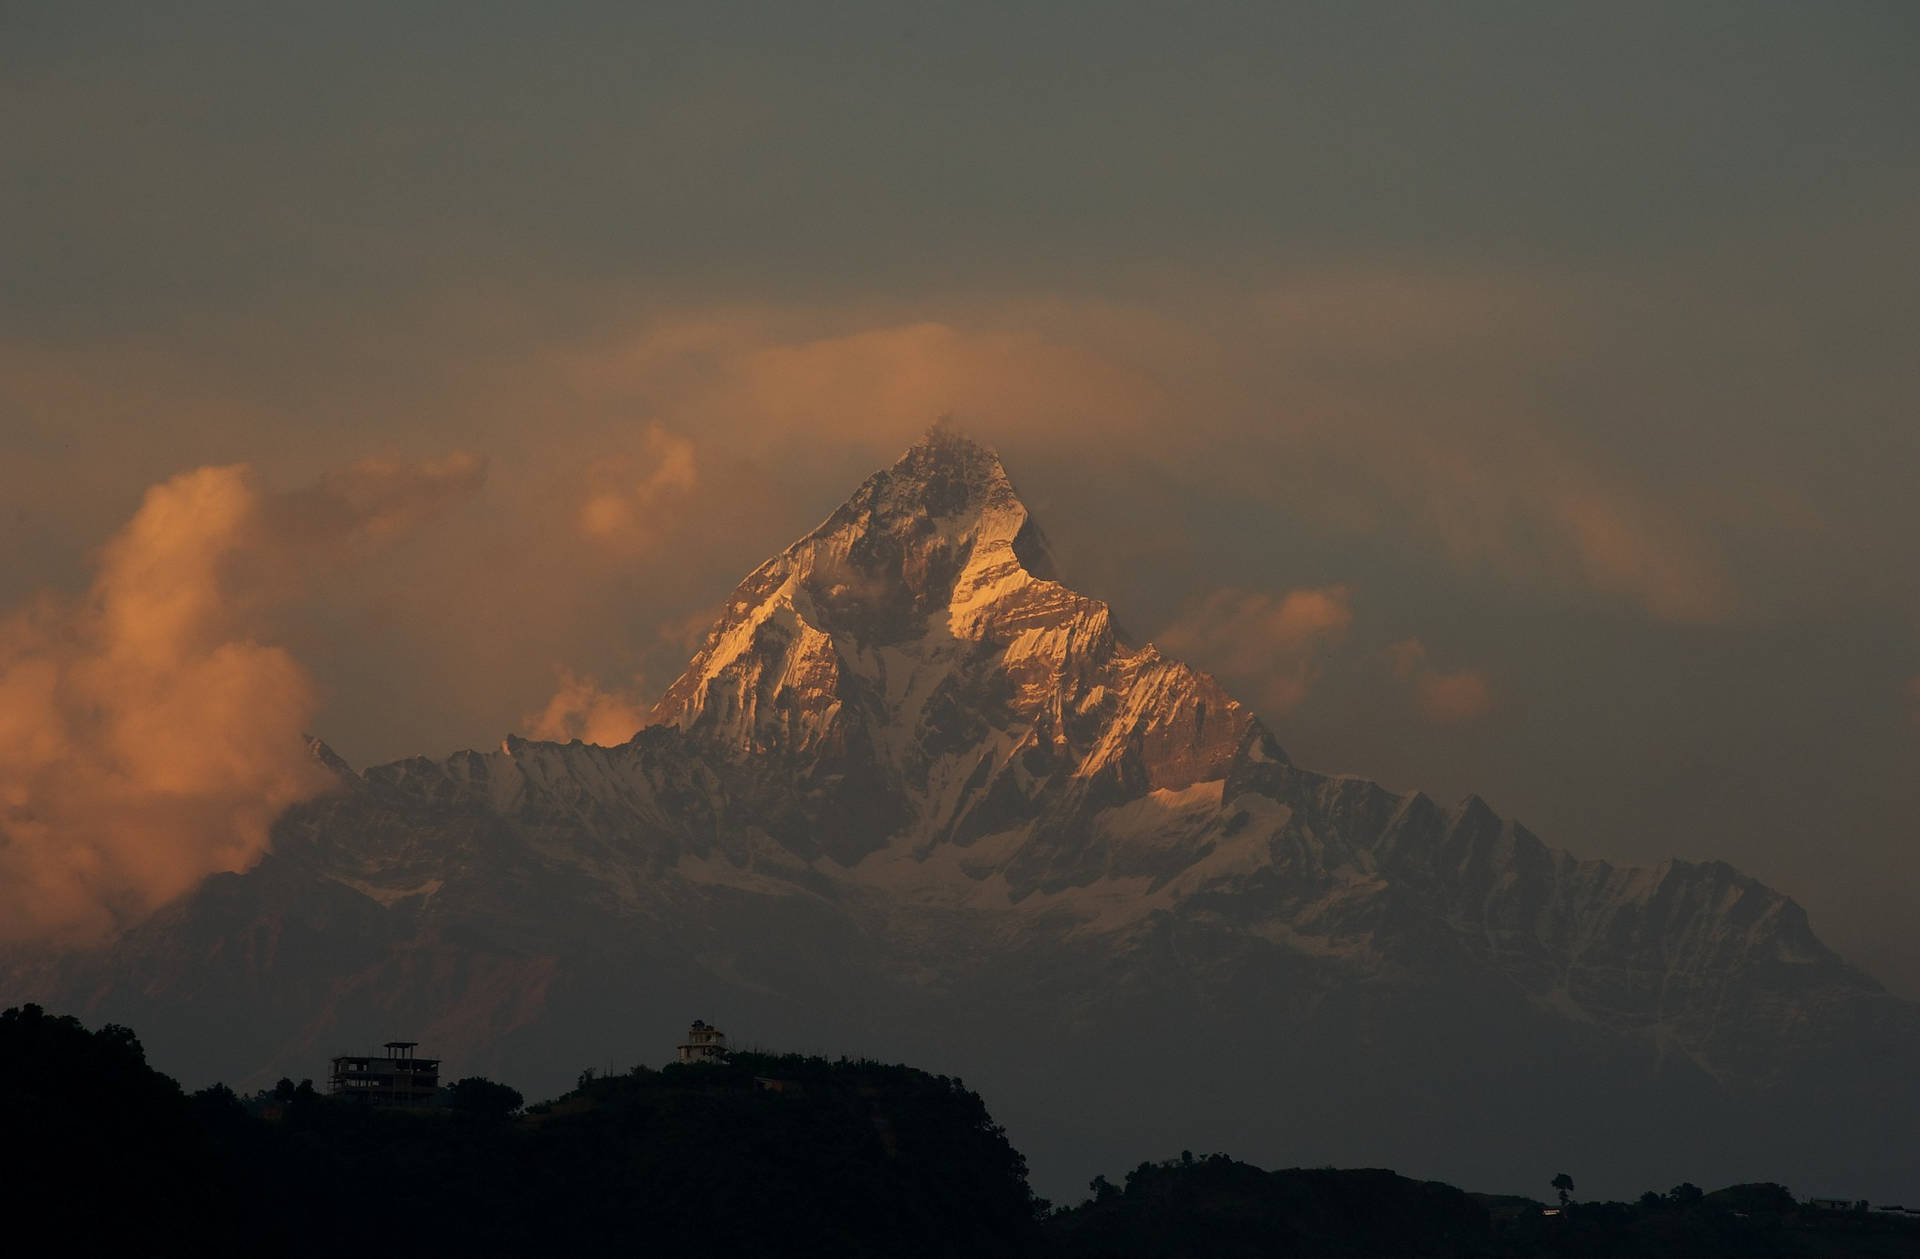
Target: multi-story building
[
  {"x": 399, "y": 1079},
  {"x": 705, "y": 1043}
]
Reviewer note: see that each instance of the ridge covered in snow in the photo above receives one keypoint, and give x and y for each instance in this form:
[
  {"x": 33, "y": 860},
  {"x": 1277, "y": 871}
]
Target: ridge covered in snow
[
  {"x": 907, "y": 710},
  {"x": 917, "y": 797},
  {"x": 915, "y": 660}
]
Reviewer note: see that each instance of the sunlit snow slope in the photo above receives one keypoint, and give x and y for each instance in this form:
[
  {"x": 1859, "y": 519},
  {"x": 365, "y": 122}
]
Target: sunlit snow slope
[{"x": 915, "y": 797}]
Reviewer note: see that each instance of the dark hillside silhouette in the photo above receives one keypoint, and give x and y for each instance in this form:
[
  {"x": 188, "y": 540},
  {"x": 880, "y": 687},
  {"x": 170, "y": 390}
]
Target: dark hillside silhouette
[
  {"x": 1217, "y": 1208},
  {"x": 1222, "y": 1209},
  {"x": 106, "y": 1150},
  {"x": 761, "y": 1154},
  {"x": 752, "y": 1154}
]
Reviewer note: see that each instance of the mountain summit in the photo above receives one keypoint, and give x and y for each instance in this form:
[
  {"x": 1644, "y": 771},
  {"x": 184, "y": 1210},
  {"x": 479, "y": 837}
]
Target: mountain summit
[
  {"x": 915, "y": 798},
  {"x": 915, "y": 669}
]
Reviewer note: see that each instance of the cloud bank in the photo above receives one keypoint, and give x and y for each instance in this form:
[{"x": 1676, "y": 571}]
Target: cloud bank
[
  {"x": 581, "y": 709},
  {"x": 1515, "y": 447},
  {"x": 1407, "y": 402},
  {"x": 148, "y": 737},
  {"x": 1273, "y": 642},
  {"x": 1446, "y": 697},
  {"x": 631, "y": 499}
]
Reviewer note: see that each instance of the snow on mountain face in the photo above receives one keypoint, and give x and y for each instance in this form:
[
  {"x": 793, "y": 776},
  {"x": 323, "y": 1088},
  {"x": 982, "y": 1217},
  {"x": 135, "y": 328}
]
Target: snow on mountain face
[
  {"x": 914, "y": 663},
  {"x": 912, "y": 785},
  {"x": 907, "y": 704}
]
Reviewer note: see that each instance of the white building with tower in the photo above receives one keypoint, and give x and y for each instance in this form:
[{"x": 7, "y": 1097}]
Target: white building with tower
[{"x": 705, "y": 1043}]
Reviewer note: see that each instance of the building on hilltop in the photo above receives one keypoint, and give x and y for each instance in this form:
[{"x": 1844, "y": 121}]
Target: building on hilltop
[
  {"x": 399, "y": 1079},
  {"x": 705, "y": 1043}
]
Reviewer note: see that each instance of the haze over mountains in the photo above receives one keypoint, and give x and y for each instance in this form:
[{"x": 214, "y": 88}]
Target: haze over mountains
[{"x": 916, "y": 798}]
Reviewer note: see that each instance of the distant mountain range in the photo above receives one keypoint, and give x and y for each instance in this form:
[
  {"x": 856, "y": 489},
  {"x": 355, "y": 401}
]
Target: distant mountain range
[{"x": 915, "y": 798}]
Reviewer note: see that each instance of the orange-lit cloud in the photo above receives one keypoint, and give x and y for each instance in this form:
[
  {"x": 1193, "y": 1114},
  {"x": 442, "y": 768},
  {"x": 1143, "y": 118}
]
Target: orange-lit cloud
[
  {"x": 1271, "y": 642},
  {"x": 147, "y": 736},
  {"x": 581, "y": 709},
  {"x": 631, "y": 499},
  {"x": 755, "y": 373},
  {"x": 373, "y": 500},
  {"x": 1377, "y": 401},
  {"x": 1358, "y": 403},
  {"x": 1540, "y": 519},
  {"x": 1449, "y": 697},
  {"x": 1622, "y": 545},
  {"x": 687, "y": 633}
]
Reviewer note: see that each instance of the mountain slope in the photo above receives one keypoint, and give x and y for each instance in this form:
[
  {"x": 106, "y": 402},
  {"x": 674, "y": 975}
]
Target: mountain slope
[
  {"x": 913, "y": 797},
  {"x": 912, "y": 668}
]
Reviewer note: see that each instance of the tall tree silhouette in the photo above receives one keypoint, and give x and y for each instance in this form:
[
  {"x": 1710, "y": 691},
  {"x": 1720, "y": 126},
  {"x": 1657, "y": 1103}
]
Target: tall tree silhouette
[{"x": 1564, "y": 1184}]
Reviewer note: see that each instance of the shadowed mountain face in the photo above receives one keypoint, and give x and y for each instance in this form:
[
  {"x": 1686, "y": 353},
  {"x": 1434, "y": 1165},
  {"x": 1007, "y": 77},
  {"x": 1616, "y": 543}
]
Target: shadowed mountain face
[
  {"x": 911, "y": 671},
  {"x": 914, "y": 798}
]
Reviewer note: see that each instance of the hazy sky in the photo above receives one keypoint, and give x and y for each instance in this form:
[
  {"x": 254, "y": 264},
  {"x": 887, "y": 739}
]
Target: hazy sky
[{"x": 1512, "y": 398}]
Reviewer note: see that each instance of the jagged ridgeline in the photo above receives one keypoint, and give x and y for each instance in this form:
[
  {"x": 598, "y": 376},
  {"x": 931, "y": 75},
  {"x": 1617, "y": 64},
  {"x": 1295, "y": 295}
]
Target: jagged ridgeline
[{"x": 915, "y": 798}]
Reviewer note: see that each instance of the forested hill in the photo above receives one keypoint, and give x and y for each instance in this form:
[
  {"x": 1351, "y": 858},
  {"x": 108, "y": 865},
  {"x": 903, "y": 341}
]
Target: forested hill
[
  {"x": 843, "y": 1158},
  {"x": 759, "y": 1154},
  {"x": 1217, "y": 1208}
]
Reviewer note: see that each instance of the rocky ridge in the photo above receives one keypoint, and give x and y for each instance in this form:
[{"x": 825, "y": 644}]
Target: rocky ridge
[
  {"x": 912, "y": 791},
  {"x": 914, "y": 669}
]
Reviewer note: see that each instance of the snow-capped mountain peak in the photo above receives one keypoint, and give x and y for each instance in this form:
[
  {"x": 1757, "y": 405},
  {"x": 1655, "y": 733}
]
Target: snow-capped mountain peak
[
  {"x": 915, "y": 794},
  {"x": 917, "y": 654}
]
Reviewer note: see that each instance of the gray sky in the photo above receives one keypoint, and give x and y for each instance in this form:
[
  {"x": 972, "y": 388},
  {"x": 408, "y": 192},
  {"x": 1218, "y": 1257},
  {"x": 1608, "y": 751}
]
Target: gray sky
[{"x": 1571, "y": 343}]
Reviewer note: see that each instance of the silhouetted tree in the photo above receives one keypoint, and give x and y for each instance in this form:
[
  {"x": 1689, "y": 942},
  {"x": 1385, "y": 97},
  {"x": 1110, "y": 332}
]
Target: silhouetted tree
[
  {"x": 483, "y": 1099},
  {"x": 99, "y": 1141},
  {"x": 1760, "y": 1198},
  {"x": 1224, "y": 1209},
  {"x": 1563, "y": 1184}
]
